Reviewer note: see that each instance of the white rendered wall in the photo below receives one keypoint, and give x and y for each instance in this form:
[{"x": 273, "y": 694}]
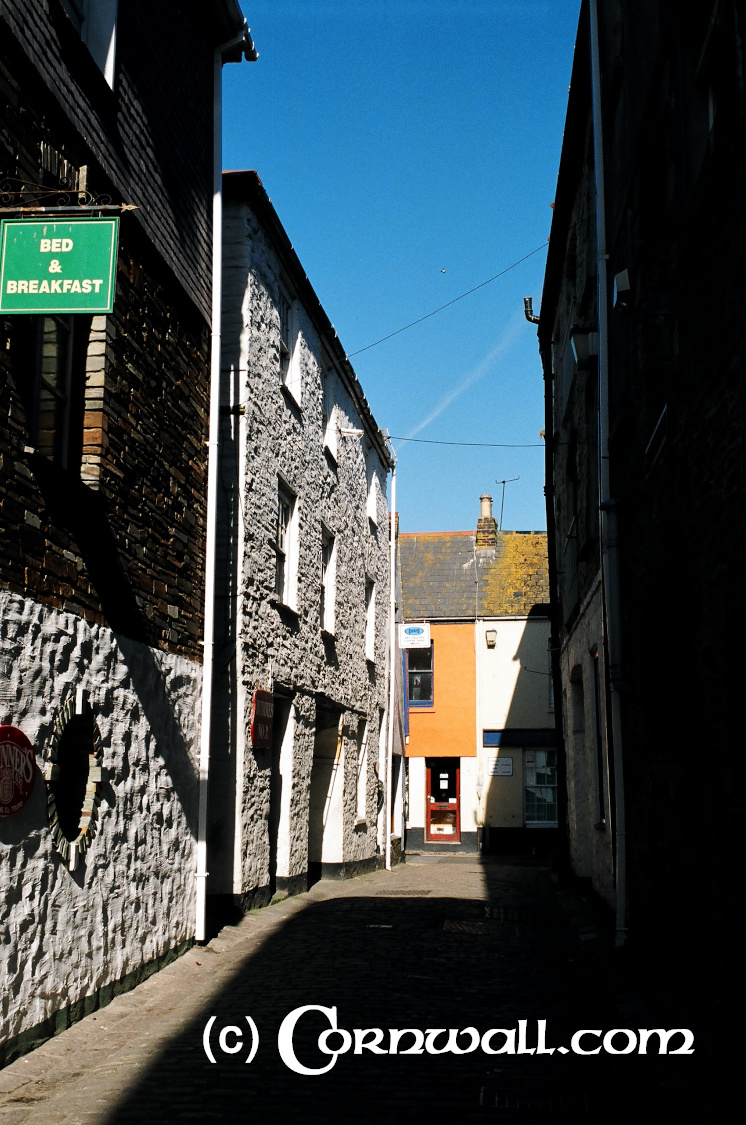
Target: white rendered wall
[
  {"x": 417, "y": 793},
  {"x": 513, "y": 692}
]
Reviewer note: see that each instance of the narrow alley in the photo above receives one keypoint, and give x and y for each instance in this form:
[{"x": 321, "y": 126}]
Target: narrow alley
[{"x": 439, "y": 942}]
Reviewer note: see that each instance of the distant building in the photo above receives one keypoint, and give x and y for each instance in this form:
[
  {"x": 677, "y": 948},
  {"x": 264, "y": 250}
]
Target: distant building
[
  {"x": 107, "y": 112},
  {"x": 481, "y": 752},
  {"x": 644, "y": 360},
  {"x": 302, "y": 591}
]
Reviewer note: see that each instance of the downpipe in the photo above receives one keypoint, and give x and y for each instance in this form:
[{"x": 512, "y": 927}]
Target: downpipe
[{"x": 609, "y": 532}]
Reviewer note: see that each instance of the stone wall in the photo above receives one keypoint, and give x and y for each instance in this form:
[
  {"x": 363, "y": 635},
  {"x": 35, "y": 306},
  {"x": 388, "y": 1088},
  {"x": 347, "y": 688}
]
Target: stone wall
[
  {"x": 102, "y": 572},
  {"x": 269, "y": 437},
  {"x": 70, "y": 935},
  {"x": 119, "y": 538}
]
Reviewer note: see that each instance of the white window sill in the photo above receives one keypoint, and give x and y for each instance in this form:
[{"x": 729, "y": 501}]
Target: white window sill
[{"x": 278, "y": 603}]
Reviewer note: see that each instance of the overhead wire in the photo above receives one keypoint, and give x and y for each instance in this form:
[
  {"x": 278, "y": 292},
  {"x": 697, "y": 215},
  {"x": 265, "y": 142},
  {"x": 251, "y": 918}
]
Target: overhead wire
[
  {"x": 475, "y": 444},
  {"x": 448, "y": 303}
]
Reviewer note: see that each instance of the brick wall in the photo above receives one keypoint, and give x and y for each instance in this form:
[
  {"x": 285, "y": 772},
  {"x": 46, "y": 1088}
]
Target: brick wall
[
  {"x": 121, "y": 540},
  {"x": 140, "y": 149}
]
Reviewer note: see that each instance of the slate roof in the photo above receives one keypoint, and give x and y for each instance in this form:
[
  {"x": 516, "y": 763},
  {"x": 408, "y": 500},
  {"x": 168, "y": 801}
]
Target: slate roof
[{"x": 445, "y": 576}]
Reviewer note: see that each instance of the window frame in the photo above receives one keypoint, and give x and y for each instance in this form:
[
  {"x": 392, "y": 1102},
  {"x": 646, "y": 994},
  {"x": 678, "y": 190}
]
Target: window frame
[
  {"x": 537, "y": 750},
  {"x": 327, "y": 605},
  {"x": 96, "y": 23},
  {"x": 57, "y": 393},
  {"x": 289, "y": 346},
  {"x": 421, "y": 704},
  {"x": 370, "y": 619},
  {"x": 361, "y": 774},
  {"x": 286, "y": 547},
  {"x": 372, "y": 498}
]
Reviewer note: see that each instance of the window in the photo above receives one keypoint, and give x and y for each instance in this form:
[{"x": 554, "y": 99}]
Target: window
[
  {"x": 286, "y": 547},
  {"x": 420, "y": 676},
  {"x": 49, "y": 358},
  {"x": 289, "y": 357},
  {"x": 370, "y": 620},
  {"x": 329, "y": 407},
  {"x": 362, "y": 770},
  {"x": 540, "y": 781},
  {"x": 96, "y": 21},
  {"x": 328, "y": 580},
  {"x": 372, "y": 504}
]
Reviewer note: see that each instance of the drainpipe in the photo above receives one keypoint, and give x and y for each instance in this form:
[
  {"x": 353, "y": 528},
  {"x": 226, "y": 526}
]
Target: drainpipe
[
  {"x": 392, "y": 659},
  {"x": 231, "y": 51},
  {"x": 607, "y": 505}
]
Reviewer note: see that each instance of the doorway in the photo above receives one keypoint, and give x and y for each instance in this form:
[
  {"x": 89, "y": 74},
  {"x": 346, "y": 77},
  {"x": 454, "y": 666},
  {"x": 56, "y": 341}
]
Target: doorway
[{"x": 442, "y": 801}]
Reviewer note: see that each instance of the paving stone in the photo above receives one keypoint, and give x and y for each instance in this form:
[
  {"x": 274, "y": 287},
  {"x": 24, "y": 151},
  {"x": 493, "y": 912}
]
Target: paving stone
[{"x": 379, "y": 950}]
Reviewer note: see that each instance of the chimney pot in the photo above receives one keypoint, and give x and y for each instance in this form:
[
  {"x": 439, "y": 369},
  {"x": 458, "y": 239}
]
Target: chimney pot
[{"x": 486, "y": 525}]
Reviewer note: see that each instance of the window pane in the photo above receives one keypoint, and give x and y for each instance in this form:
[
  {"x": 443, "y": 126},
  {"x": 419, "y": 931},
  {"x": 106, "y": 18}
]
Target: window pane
[
  {"x": 420, "y": 659},
  {"x": 421, "y": 687}
]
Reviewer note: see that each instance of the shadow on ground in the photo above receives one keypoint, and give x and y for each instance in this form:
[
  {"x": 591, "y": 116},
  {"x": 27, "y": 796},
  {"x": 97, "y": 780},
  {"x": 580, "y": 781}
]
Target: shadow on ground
[{"x": 410, "y": 959}]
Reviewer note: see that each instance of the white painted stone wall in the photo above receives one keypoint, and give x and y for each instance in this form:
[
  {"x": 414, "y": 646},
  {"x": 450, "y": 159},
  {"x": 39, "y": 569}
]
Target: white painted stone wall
[
  {"x": 275, "y": 438},
  {"x": 131, "y": 899}
]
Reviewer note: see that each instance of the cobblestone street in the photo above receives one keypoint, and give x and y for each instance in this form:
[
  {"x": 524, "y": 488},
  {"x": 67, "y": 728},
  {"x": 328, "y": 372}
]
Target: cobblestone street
[{"x": 436, "y": 943}]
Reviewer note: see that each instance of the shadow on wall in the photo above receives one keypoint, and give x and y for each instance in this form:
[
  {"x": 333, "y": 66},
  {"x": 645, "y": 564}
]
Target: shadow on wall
[{"x": 82, "y": 512}]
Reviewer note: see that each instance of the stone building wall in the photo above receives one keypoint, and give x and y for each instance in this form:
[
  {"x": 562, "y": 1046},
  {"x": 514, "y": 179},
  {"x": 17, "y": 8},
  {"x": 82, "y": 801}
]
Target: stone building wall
[
  {"x": 275, "y": 439},
  {"x": 170, "y": 179},
  {"x": 673, "y": 121},
  {"x": 70, "y": 936},
  {"x": 102, "y": 572}
]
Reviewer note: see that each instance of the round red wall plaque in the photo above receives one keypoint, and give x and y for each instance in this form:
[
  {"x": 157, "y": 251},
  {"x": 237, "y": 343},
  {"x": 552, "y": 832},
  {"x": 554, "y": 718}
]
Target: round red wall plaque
[{"x": 17, "y": 770}]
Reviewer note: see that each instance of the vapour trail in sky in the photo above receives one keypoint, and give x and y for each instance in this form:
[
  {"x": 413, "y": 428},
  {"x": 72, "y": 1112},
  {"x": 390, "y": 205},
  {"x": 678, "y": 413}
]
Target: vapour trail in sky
[
  {"x": 510, "y": 334},
  {"x": 408, "y": 167}
]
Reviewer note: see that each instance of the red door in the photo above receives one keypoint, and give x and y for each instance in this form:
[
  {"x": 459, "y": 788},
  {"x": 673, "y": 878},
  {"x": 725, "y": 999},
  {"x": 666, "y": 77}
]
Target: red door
[{"x": 443, "y": 812}]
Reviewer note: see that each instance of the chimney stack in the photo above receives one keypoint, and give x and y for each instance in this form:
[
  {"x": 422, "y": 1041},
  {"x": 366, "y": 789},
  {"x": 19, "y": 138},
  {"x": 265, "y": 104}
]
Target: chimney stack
[{"x": 486, "y": 524}]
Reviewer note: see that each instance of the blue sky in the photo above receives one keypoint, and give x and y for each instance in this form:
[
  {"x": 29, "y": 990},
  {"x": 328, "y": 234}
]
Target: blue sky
[{"x": 411, "y": 148}]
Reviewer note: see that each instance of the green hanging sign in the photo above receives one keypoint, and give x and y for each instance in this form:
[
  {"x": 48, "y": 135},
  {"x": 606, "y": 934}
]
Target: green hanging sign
[{"x": 61, "y": 266}]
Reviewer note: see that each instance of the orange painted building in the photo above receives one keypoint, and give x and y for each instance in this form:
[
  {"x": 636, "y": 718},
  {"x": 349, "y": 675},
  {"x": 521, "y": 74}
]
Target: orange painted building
[
  {"x": 447, "y": 727},
  {"x": 459, "y": 590}
]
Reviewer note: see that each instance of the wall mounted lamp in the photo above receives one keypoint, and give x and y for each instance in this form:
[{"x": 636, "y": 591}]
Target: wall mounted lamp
[{"x": 490, "y": 636}]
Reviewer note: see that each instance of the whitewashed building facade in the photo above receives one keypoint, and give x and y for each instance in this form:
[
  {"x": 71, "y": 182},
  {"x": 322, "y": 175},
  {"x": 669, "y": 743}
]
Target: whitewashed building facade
[{"x": 302, "y": 581}]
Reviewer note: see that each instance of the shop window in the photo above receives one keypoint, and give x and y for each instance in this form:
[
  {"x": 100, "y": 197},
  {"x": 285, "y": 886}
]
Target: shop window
[
  {"x": 420, "y": 676},
  {"x": 540, "y": 788}
]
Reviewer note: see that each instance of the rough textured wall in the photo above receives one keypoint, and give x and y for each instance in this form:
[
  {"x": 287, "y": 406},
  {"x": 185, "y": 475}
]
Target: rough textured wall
[
  {"x": 132, "y": 899},
  {"x": 281, "y": 440},
  {"x": 124, "y": 545}
]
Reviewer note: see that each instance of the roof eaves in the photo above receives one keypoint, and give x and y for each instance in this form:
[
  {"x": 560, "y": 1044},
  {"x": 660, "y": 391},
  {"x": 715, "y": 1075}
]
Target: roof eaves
[{"x": 246, "y": 186}]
